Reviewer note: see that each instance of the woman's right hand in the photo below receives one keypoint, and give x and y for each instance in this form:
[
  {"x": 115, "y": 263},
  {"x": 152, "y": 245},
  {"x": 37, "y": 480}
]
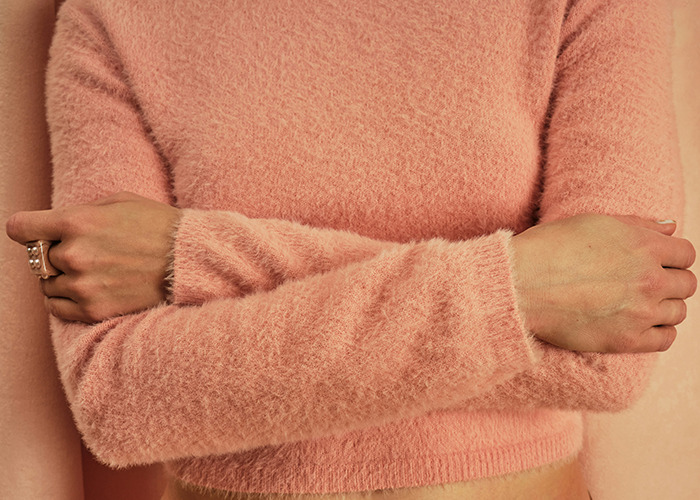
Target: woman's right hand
[{"x": 602, "y": 283}]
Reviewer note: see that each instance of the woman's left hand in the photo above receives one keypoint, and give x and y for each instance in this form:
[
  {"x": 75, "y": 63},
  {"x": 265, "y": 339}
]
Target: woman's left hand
[{"x": 113, "y": 254}]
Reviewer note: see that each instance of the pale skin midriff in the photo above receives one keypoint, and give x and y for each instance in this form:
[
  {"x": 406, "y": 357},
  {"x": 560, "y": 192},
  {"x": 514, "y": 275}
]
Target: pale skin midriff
[{"x": 559, "y": 481}]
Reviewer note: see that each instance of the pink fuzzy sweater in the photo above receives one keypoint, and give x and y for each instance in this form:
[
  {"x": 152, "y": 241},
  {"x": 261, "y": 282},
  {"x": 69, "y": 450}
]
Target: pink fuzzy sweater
[{"x": 342, "y": 314}]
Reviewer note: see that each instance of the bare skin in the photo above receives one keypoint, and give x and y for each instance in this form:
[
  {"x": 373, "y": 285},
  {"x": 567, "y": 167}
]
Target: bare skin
[{"x": 562, "y": 480}]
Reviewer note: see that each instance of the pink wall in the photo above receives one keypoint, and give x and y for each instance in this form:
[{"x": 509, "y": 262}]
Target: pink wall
[
  {"x": 651, "y": 451},
  {"x": 39, "y": 447},
  {"x": 40, "y": 452}
]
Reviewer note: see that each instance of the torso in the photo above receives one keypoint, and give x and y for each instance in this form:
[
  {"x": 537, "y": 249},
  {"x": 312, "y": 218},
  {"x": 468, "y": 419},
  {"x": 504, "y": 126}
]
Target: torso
[
  {"x": 560, "y": 481},
  {"x": 425, "y": 98}
]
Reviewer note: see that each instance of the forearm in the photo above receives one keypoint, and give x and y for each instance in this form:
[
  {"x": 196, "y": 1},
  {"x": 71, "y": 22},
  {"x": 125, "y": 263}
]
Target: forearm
[{"x": 415, "y": 329}]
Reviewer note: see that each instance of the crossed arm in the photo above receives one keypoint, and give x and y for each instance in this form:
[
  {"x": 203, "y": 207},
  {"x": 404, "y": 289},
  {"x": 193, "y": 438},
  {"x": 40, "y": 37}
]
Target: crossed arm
[
  {"x": 261, "y": 331},
  {"x": 587, "y": 283}
]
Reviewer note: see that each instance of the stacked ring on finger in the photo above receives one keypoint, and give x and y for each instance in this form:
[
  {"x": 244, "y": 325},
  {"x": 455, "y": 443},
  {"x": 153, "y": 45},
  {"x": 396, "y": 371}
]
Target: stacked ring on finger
[{"x": 39, "y": 262}]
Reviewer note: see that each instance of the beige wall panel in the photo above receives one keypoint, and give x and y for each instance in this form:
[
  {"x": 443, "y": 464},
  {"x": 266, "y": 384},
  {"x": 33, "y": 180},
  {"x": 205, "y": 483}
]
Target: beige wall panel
[
  {"x": 652, "y": 451},
  {"x": 40, "y": 455}
]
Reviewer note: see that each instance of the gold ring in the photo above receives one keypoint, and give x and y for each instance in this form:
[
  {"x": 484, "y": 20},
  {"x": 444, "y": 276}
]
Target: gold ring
[{"x": 39, "y": 259}]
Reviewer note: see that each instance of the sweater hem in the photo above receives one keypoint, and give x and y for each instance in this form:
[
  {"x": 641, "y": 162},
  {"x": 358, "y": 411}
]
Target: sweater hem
[{"x": 323, "y": 477}]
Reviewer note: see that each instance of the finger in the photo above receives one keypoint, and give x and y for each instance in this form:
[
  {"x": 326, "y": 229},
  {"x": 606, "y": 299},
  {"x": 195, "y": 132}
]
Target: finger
[
  {"x": 59, "y": 258},
  {"x": 667, "y": 227},
  {"x": 23, "y": 227},
  {"x": 657, "y": 338},
  {"x": 58, "y": 286},
  {"x": 671, "y": 312},
  {"x": 679, "y": 284},
  {"x": 66, "y": 309},
  {"x": 674, "y": 252}
]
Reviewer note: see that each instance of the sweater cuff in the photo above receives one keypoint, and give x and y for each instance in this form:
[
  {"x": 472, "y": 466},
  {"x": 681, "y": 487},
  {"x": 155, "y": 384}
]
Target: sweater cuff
[
  {"x": 492, "y": 290},
  {"x": 203, "y": 266}
]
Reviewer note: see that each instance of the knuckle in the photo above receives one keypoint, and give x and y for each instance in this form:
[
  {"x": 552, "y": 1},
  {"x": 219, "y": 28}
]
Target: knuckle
[
  {"x": 691, "y": 254},
  {"x": 643, "y": 316},
  {"x": 71, "y": 225},
  {"x": 81, "y": 288},
  {"x": 693, "y": 285},
  {"x": 73, "y": 257},
  {"x": 92, "y": 312},
  {"x": 78, "y": 220},
  {"x": 682, "y": 312},
  {"x": 68, "y": 257},
  {"x": 606, "y": 223},
  {"x": 642, "y": 240},
  {"x": 667, "y": 339},
  {"x": 52, "y": 307},
  {"x": 650, "y": 283}
]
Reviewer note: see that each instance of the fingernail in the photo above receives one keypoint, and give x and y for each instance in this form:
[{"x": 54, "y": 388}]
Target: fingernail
[{"x": 667, "y": 221}]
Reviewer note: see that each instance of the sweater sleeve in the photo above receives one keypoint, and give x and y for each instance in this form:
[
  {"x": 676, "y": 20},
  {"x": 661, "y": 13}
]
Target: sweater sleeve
[{"x": 377, "y": 332}]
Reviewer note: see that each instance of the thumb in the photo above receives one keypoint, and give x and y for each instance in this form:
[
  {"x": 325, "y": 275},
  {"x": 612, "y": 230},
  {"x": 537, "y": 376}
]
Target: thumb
[
  {"x": 667, "y": 227},
  {"x": 35, "y": 225}
]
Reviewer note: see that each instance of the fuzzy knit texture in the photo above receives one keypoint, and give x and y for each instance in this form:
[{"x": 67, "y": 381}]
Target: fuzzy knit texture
[{"x": 343, "y": 314}]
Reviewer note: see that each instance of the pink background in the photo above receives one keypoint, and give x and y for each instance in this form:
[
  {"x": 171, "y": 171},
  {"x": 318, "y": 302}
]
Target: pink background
[{"x": 648, "y": 452}]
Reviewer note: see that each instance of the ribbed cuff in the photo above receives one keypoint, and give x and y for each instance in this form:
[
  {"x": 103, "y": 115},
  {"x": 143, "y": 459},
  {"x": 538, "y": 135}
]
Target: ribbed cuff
[{"x": 203, "y": 267}]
